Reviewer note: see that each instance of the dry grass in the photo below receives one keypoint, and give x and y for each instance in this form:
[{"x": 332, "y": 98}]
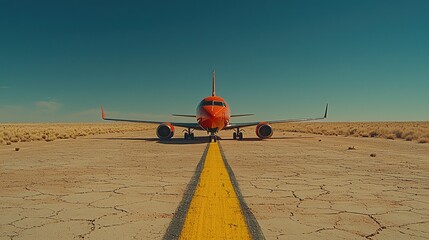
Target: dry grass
[
  {"x": 14, "y": 133},
  {"x": 409, "y": 131}
]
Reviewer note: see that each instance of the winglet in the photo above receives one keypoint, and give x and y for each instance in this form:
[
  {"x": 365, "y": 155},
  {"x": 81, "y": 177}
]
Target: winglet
[
  {"x": 326, "y": 111},
  {"x": 103, "y": 116},
  {"x": 214, "y": 83}
]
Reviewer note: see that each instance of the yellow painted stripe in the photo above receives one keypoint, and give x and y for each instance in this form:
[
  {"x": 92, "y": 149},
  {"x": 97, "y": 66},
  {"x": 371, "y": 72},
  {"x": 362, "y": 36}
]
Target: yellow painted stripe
[{"x": 215, "y": 211}]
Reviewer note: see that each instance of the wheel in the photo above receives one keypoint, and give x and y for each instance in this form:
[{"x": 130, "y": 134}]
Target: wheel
[
  {"x": 240, "y": 136},
  {"x": 191, "y": 136},
  {"x": 214, "y": 139},
  {"x": 186, "y": 136},
  {"x": 210, "y": 138},
  {"x": 234, "y": 136}
]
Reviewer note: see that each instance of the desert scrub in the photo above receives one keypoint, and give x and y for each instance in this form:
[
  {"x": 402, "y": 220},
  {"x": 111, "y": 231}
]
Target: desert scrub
[
  {"x": 14, "y": 133},
  {"x": 409, "y": 131}
]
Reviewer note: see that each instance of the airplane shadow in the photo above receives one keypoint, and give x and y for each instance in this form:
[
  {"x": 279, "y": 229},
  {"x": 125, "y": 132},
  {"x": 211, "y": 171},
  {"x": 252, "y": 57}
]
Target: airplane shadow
[
  {"x": 196, "y": 140},
  {"x": 256, "y": 139}
]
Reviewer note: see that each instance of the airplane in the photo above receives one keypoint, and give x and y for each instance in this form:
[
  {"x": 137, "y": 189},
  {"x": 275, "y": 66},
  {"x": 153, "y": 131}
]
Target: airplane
[{"x": 213, "y": 115}]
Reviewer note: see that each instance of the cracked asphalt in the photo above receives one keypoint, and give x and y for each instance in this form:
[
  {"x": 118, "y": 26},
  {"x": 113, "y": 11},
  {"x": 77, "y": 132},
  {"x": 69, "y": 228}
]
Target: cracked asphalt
[
  {"x": 128, "y": 186},
  {"x": 114, "y": 186},
  {"x": 302, "y": 186}
]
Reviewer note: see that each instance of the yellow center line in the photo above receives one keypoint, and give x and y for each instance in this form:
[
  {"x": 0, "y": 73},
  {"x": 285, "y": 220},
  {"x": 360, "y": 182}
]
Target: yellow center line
[{"x": 215, "y": 211}]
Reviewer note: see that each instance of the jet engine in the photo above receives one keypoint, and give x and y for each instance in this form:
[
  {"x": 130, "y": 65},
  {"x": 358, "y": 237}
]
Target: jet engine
[
  {"x": 264, "y": 130},
  {"x": 165, "y": 131}
]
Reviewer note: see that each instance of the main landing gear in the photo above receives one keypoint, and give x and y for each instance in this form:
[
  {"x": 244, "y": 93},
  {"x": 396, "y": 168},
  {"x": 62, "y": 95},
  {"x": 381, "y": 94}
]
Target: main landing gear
[
  {"x": 188, "y": 134},
  {"x": 238, "y": 134}
]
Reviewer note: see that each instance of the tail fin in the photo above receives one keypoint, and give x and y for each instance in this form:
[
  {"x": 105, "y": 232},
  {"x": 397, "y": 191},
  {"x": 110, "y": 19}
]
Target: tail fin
[{"x": 214, "y": 83}]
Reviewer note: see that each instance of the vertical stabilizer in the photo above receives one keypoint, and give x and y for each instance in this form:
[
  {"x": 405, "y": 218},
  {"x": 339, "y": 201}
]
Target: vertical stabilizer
[{"x": 214, "y": 83}]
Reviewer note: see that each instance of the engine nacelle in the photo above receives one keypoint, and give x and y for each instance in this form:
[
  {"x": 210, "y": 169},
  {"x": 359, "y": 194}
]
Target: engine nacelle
[
  {"x": 165, "y": 131},
  {"x": 264, "y": 130}
]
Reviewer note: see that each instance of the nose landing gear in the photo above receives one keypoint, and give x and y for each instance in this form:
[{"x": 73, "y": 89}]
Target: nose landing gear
[{"x": 212, "y": 138}]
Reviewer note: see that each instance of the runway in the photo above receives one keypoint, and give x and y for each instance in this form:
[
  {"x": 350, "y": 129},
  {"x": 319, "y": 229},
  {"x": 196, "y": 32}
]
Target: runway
[
  {"x": 213, "y": 207},
  {"x": 295, "y": 185}
]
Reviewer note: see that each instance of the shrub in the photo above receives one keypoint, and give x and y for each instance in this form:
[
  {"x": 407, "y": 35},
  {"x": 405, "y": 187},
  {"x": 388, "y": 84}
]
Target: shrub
[
  {"x": 373, "y": 134},
  {"x": 398, "y": 133},
  {"x": 390, "y": 136}
]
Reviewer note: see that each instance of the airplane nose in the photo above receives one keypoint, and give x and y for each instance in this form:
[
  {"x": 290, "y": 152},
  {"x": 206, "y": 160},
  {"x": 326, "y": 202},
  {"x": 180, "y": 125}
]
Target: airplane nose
[
  {"x": 209, "y": 112},
  {"x": 210, "y": 117}
]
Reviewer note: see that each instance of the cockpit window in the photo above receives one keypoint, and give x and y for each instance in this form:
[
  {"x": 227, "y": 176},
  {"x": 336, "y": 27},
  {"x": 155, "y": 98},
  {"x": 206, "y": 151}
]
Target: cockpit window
[
  {"x": 219, "y": 104},
  {"x": 211, "y": 103},
  {"x": 206, "y": 103}
]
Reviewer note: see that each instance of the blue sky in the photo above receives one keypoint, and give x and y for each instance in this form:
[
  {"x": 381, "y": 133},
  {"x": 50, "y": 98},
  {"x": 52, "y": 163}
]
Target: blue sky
[{"x": 59, "y": 60}]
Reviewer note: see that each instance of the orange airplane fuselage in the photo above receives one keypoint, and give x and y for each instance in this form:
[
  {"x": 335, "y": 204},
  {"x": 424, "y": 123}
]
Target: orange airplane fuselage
[{"x": 213, "y": 114}]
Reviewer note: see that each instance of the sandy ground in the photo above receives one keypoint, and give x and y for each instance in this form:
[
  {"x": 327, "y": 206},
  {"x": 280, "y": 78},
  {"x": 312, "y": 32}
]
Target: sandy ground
[{"x": 129, "y": 185}]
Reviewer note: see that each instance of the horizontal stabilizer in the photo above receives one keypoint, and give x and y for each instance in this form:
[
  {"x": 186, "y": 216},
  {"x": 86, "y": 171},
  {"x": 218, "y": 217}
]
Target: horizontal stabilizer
[
  {"x": 184, "y": 115},
  {"x": 242, "y": 115}
]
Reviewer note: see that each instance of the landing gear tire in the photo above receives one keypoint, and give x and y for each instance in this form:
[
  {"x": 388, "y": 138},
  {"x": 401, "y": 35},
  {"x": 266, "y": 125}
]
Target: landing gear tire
[
  {"x": 188, "y": 134},
  {"x": 240, "y": 136},
  {"x": 212, "y": 138}
]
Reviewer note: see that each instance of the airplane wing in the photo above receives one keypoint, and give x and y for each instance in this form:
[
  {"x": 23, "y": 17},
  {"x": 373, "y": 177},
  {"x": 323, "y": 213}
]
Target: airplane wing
[
  {"x": 247, "y": 124},
  {"x": 176, "y": 124}
]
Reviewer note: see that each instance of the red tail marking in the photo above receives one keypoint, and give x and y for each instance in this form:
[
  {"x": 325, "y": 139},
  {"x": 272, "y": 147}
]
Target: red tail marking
[{"x": 102, "y": 113}]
